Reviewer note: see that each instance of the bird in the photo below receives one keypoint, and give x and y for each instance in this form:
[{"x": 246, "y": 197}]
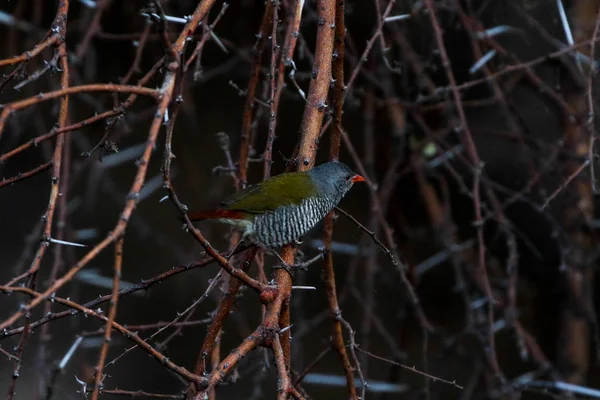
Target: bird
[{"x": 281, "y": 209}]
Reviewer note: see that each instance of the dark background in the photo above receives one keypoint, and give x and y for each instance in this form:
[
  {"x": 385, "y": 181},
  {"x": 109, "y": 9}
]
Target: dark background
[{"x": 155, "y": 240}]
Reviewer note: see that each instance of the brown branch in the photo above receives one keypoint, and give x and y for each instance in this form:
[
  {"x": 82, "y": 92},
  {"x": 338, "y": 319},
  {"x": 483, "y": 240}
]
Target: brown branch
[
  {"x": 59, "y": 27},
  {"x": 165, "y": 93},
  {"x": 144, "y": 285},
  {"x": 369, "y": 46},
  {"x": 337, "y": 338},
  {"x": 65, "y": 92},
  {"x": 564, "y": 184},
  {"x": 25, "y": 175},
  {"x": 112, "y": 313},
  {"x": 197, "y": 54},
  {"x": 251, "y": 94},
  {"x": 81, "y": 124},
  {"x": 275, "y": 83},
  {"x": 219, "y": 373},
  {"x": 58, "y": 155},
  {"x": 187, "y": 312},
  {"x": 140, "y": 393},
  {"x": 223, "y": 311},
  {"x": 48, "y": 42},
  {"x": 413, "y": 369},
  {"x": 181, "y": 371},
  {"x": 8, "y": 355}
]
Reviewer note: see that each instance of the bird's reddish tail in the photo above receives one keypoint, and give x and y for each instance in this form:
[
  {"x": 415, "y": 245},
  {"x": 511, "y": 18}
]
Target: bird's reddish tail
[{"x": 215, "y": 214}]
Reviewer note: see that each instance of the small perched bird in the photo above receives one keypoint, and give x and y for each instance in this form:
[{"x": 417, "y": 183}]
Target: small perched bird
[{"x": 281, "y": 209}]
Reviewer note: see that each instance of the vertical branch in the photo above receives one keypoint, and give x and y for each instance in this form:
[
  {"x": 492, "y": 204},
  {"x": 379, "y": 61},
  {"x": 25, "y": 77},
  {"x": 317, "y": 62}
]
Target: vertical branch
[
  {"x": 276, "y": 86},
  {"x": 251, "y": 95},
  {"x": 59, "y": 27},
  {"x": 590, "y": 103},
  {"x": 275, "y": 89},
  {"x": 338, "y": 80},
  {"x": 112, "y": 313},
  {"x": 316, "y": 101},
  {"x": 309, "y": 142},
  {"x": 165, "y": 97},
  {"x": 337, "y": 337},
  {"x": 217, "y": 323},
  {"x": 58, "y": 262}
]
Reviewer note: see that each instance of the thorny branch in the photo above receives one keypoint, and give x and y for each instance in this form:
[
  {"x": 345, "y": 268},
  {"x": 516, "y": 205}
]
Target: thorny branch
[{"x": 481, "y": 172}]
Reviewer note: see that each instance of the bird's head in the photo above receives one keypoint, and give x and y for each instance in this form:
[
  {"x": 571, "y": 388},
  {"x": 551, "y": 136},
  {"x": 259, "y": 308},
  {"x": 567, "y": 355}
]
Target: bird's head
[{"x": 334, "y": 178}]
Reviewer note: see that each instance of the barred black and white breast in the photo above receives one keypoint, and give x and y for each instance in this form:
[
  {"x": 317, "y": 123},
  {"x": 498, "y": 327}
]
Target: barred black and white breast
[
  {"x": 288, "y": 223},
  {"x": 283, "y": 208}
]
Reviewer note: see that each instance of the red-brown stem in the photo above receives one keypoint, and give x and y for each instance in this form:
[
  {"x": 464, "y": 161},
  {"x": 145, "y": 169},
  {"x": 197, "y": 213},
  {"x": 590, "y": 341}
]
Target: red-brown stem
[
  {"x": 188, "y": 312},
  {"x": 215, "y": 359},
  {"x": 223, "y": 311},
  {"x": 59, "y": 26},
  {"x": 26, "y": 175},
  {"x": 56, "y": 159},
  {"x": 205, "y": 35},
  {"x": 8, "y": 355},
  {"x": 316, "y": 101},
  {"x": 139, "y": 393},
  {"x": 112, "y": 313},
  {"x": 337, "y": 337},
  {"x": 17, "y": 365},
  {"x": 135, "y": 65},
  {"x": 99, "y": 117},
  {"x": 155, "y": 325},
  {"x": 275, "y": 90},
  {"x": 338, "y": 77},
  {"x": 285, "y": 385},
  {"x": 58, "y": 262},
  {"x": 145, "y": 285},
  {"x": 251, "y": 94},
  {"x": 277, "y": 314},
  {"x": 181, "y": 371},
  {"x": 293, "y": 34},
  {"x": 285, "y": 320},
  {"x": 249, "y": 344},
  {"x": 43, "y": 45},
  {"x": 565, "y": 183},
  {"x": 65, "y": 92},
  {"x": 223, "y": 262},
  {"x": 165, "y": 93},
  {"x": 309, "y": 138},
  {"x": 369, "y": 46}
]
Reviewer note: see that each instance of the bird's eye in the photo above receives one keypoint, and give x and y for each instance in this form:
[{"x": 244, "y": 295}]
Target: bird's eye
[{"x": 349, "y": 177}]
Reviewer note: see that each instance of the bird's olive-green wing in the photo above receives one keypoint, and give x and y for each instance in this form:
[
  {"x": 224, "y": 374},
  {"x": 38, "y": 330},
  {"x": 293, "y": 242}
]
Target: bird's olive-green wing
[{"x": 280, "y": 190}]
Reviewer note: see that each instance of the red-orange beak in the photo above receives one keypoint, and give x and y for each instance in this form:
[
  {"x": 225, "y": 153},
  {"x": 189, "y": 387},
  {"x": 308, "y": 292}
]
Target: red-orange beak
[{"x": 358, "y": 178}]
